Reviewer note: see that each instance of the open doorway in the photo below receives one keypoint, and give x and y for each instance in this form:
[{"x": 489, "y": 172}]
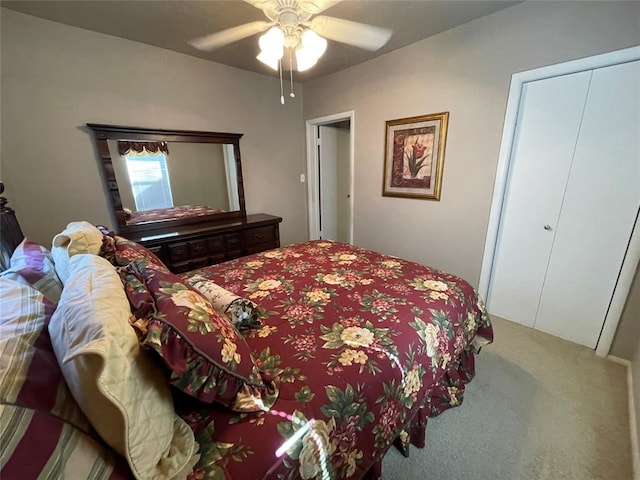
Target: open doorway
[{"x": 330, "y": 177}]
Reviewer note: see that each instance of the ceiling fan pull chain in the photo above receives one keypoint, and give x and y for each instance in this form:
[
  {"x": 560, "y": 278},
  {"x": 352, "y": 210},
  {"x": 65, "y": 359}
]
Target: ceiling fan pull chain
[
  {"x": 281, "y": 88},
  {"x": 292, "y": 95}
]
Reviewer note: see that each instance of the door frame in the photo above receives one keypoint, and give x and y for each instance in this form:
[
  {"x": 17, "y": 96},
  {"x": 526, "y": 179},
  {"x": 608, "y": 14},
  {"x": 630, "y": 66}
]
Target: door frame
[
  {"x": 313, "y": 208},
  {"x": 632, "y": 256}
]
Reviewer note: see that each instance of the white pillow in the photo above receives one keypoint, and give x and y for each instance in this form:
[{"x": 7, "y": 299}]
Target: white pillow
[
  {"x": 122, "y": 391},
  {"x": 78, "y": 237}
]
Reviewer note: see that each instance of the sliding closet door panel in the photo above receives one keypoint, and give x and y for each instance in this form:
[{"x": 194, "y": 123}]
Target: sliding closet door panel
[
  {"x": 599, "y": 209},
  {"x": 549, "y": 119}
]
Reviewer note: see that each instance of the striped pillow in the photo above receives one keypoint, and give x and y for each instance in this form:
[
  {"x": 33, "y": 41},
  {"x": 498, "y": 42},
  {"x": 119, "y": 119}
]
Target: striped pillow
[
  {"x": 37, "y": 445},
  {"x": 32, "y": 264},
  {"x": 43, "y": 432}
]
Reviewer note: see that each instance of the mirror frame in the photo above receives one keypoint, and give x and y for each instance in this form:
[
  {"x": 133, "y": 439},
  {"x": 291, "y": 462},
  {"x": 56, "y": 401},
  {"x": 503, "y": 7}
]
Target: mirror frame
[{"x": 102, "y": 133}]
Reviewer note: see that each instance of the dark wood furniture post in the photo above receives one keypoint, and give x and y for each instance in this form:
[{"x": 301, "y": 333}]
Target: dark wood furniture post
[{"x": 10, "y": 232}]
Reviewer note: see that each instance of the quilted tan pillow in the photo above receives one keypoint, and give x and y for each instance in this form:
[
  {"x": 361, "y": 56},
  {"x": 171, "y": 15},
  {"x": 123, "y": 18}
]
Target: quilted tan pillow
[
  {"x": 78, "y": 237},
  {"x": 119, "y": 387}
]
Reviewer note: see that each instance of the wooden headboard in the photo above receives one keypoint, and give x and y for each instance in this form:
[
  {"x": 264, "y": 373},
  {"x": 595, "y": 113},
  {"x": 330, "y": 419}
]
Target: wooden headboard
[{"x": 10, "y": 231}]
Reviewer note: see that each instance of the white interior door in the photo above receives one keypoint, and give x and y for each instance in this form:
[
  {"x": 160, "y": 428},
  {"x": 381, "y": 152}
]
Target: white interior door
[
  {"x": 599, "y": 209},
  {"x": 334, "y": 183},
  {"x": 546, "y": 133},
  {"x": 328, "y": 168}
]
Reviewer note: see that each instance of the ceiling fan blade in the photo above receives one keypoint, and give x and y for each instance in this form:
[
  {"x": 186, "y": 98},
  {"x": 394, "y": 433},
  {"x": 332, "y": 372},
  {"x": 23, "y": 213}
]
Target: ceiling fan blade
[
  {"x": 316, "y": 6},
  {"x": 357, "y": 34},
  {"x": 230, "y": 35},
  {"x": 261, "y": 4}
]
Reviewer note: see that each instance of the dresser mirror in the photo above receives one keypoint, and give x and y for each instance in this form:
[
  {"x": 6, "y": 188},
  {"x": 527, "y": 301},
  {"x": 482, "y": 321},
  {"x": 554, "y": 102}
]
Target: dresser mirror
[{"x": 165, "y": 178}]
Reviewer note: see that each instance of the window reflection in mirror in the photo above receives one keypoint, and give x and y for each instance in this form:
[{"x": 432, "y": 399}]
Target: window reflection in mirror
[
  {"x": 149, "y": 179},
  {"x": 181, "y": 179}
]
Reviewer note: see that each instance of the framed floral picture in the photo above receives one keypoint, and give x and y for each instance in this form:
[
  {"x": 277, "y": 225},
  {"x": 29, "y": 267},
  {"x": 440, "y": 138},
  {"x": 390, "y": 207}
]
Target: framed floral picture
[{"x": 414, "y": 156}]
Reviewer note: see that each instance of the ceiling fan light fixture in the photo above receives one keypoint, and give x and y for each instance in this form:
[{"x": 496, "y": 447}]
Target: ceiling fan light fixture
[
  {"x": 271, "y": 47},
  {"x": 304, "y": 62},
  {"x": 311, "y": 40},
  {"x": 269, "y": 60},
  {"x": 312, "y": 48}
]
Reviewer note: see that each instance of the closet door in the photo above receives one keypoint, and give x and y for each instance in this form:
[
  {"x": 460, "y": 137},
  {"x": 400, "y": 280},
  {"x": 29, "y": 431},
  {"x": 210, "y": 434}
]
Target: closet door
[
  {"x": 598, "y": 210},
  {"x": 546, "y": 134}
]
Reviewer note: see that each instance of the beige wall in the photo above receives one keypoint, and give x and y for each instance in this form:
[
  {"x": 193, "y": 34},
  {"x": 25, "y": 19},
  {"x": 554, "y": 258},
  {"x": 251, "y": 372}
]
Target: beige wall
[
  {"x": 197, "y": 174},
  {"x": 56, "y": 78}
]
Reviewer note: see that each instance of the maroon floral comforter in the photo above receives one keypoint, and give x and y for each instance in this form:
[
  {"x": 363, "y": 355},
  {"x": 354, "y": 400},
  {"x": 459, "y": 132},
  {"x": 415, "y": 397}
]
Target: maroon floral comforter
[{"x": 363, "y": 347}]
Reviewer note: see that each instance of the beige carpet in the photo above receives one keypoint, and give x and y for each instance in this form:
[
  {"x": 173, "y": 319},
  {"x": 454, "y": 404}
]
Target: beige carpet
[{"x": 539, "y": 408}]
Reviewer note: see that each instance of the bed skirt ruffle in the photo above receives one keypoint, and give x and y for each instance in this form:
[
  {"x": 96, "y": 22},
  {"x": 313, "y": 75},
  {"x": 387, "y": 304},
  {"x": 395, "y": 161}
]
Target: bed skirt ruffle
[{"x": 446, "y": 394}]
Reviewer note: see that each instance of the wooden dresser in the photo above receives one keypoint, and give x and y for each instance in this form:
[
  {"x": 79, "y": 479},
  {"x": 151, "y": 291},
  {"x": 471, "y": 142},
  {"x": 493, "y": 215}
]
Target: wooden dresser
[{"x": 188, "y": 247}]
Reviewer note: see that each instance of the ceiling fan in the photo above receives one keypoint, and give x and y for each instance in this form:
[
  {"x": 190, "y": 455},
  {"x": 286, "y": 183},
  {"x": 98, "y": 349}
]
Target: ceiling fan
[{"x": 295, "y": 26}]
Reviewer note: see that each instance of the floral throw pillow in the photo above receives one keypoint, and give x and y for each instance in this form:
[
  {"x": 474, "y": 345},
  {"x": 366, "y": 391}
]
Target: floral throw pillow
[
  {"x": 121, "y": 251},
  {"x": 207, "y": 358}
]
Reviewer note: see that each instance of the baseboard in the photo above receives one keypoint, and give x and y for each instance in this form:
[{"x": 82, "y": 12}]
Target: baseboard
[{"x": 633, "y": 426}]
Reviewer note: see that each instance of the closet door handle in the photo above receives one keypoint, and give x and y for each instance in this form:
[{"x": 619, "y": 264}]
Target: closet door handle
[{"x": 547, "y": 228}]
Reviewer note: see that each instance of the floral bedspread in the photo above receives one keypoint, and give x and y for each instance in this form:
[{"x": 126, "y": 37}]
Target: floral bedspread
[{"x": 363, "y": 347}]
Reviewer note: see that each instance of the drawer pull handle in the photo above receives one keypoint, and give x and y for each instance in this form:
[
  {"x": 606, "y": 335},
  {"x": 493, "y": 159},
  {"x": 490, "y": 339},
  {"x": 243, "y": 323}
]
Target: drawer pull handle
[{"x": 258, "y": 235}]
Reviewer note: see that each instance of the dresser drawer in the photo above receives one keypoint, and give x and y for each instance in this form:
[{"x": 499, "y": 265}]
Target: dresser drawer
[
  {"x": 178, "y": 251},
  {"x": 231, "y": 254},
  {"x": 260, "y": 248},
  {"x": 181, "y": 267},
  {"x": 233, "y": 241},
  {"x": 197, "y": 248},
  {"x": 215, "y": 244},
  {"x": 193, "y": 263},
  {"x": 257, "y": 236}
]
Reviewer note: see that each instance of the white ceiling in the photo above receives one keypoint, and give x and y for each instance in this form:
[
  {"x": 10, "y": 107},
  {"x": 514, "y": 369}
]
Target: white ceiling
[{"x": 170, "y": 24}]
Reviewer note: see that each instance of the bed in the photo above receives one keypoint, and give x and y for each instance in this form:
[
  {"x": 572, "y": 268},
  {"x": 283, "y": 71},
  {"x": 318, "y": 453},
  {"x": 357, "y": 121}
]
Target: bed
[{"x": 354, "y": 352}]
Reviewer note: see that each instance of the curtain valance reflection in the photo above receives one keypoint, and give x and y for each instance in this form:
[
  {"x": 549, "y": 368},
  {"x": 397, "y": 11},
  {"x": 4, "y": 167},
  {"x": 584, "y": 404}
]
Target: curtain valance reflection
[{"x": 127, "y": 148}]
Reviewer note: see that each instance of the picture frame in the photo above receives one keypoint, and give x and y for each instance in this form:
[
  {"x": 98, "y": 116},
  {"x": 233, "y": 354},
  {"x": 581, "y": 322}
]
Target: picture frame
[{"x": 414, "y": 156}]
